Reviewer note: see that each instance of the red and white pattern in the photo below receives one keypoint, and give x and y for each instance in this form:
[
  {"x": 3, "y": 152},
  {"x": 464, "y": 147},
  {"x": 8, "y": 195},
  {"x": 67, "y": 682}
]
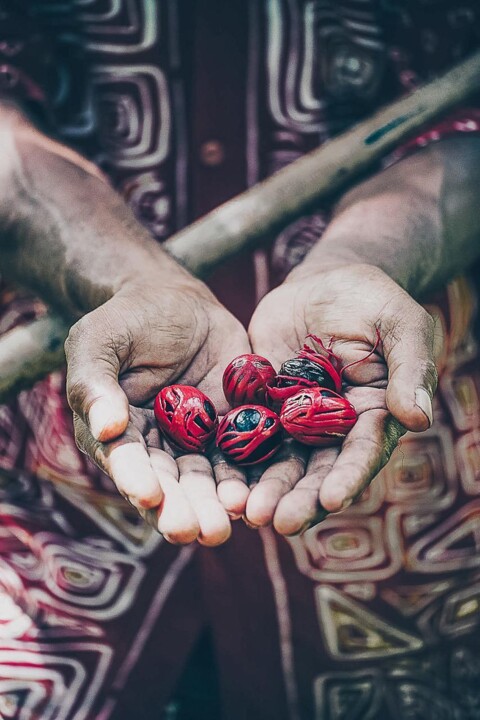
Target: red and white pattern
[{"x": 372, "y": 614}]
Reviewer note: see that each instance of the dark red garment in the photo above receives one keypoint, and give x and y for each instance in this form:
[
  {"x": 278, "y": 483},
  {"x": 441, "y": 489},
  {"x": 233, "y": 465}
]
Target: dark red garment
[{"x": 374, "y": 613}]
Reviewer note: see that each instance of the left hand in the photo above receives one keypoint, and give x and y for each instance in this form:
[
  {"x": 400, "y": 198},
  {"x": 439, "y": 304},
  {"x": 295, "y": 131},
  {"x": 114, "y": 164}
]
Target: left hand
[
  {"x": 146, "y": 336},
  {"x": 391, "y": 391}
]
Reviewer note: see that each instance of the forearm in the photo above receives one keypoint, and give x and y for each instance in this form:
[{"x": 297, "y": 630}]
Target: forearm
[
  {"x": 418, "y": 220},
  {"x": 65, "y": 233}
]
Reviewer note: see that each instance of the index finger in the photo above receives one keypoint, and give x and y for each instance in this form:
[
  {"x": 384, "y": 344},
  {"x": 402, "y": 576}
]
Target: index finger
[
  {"x": 126, "y": 461},
  {"x": 365, "y": 451}
]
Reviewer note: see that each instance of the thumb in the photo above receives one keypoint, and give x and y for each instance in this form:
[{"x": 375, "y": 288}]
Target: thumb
[
  {"x": 408, "y": 346},
  {"x": 93, "y": 391}
]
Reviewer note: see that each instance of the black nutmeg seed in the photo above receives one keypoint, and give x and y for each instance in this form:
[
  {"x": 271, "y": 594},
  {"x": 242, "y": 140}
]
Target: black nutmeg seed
[
  {"x": 309, "y": 370},
  {"x": 247, "y": 420}
]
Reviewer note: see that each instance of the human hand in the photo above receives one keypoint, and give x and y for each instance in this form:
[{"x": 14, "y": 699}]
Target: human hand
[
  {"x": 391, "y": 391},
  {"x": 145, "y": 322},
  {"x": 148, "y": 335}
]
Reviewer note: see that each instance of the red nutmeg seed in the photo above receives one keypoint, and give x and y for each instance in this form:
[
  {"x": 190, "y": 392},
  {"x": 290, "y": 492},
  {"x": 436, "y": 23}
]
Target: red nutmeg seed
[
  {"x": 318, "y": 417},
  {"x": 282, "y": 387},
  {"x": 250, "y": 434},
  {"x": 245, "y": 380},
  {"x": 186, "y": 417}
]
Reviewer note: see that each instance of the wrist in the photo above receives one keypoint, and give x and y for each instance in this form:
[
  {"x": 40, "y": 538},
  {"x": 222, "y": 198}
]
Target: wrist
[
  {"x": 71, "y": 238},
  {"x": 396, "y": 232}
]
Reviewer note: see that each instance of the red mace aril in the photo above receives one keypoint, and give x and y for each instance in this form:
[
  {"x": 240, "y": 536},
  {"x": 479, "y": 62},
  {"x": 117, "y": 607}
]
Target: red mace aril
[
  {"x": 281, "y": 387},
  {"x": 250, "y": 434},
  {"x": 245, "y": 380},
  {"x": 186, "y": 417},
  {"x": 310, "y": 369},
  {"x": 318, "y": 417}
]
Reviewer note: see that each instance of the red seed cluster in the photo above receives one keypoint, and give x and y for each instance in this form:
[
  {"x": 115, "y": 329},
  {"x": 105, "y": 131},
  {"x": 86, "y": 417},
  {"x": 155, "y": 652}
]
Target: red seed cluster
[
  {"x": 303, "y": 400},
  {"x": 304, "y": 395}
]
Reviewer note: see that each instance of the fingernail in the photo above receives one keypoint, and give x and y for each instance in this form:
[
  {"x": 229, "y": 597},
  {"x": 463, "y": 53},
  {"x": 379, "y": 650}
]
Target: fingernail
[
  {"x": 346, "y": 504},
  {"x": 98, "y": 418},
  {"x": 103, "y": 415},
  {"x": 306, "y": 526},
  {"x": 424, "y": 402}
]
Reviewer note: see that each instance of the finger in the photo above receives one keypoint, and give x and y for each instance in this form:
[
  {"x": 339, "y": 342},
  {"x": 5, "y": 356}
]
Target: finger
[
  {"x": 364, "y": 452},
  {"x": 232, "y": 486},
  {"x": 126, "y": 461},
  {"x": 93, "y": 391},
  {"x": 176, "y": 519},
  {"x": 276, "y": 481},
  {"x": 300, "y": 508},
  {"x": 197, "y": 482},
  {"x": 408, "y": 345}
]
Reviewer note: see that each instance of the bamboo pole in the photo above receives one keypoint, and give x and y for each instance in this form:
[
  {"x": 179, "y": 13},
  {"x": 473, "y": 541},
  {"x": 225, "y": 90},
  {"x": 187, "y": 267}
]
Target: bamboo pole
[{"x": 28, "y": 353}]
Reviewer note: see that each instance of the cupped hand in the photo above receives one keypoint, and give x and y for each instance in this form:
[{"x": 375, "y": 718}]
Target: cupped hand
[
  {"x": 351, "y": 306},
  {"x": 146, "y": 336}
]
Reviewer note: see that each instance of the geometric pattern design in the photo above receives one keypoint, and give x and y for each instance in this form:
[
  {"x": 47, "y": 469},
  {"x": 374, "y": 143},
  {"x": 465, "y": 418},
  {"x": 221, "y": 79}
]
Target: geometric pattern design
[
  {"x": 377, "y": 608},
  {"x": 51, "y": 681},
  {"x": 452, "y": 545},
  {"x": 468, "y": 453},
  {"x": 353, "y": 633},
  {"x": 461, "y": 611},
  {"x": 365, "y": 549},
  {"x": 348, "y": 696}
]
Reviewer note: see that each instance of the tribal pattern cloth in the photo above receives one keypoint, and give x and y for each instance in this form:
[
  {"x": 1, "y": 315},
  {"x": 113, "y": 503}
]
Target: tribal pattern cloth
[{"x": 373, "y": 614}]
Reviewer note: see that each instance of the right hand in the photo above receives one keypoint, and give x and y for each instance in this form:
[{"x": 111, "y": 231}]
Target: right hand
[
  {"x": 150, "y": 334},
  {"x": 350, "y": 305}
]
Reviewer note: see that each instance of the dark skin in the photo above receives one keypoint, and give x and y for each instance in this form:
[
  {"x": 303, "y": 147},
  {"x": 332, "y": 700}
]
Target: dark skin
[
  {"x": 394, "y": 237},
  {"x": 143, "y": 321}
]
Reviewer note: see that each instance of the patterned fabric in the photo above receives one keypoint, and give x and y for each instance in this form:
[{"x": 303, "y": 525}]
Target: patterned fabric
[{"x": 374, "y": 614}]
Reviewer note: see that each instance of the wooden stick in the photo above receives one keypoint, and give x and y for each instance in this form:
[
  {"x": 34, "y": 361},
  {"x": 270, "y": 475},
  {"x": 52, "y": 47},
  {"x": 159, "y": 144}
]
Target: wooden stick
[
  {"x": 29, "y": 352},
  {"x": 26, "y": 354}
]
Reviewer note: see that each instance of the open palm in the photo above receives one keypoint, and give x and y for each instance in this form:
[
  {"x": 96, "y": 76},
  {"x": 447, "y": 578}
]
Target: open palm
[
  {"x": 119, "y": 356},
  {"x": 391, "y": 391}
]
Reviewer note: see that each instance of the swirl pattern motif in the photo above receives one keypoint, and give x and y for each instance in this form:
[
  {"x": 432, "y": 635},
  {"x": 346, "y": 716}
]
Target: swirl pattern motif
[{"x": 375, "y": 612}]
